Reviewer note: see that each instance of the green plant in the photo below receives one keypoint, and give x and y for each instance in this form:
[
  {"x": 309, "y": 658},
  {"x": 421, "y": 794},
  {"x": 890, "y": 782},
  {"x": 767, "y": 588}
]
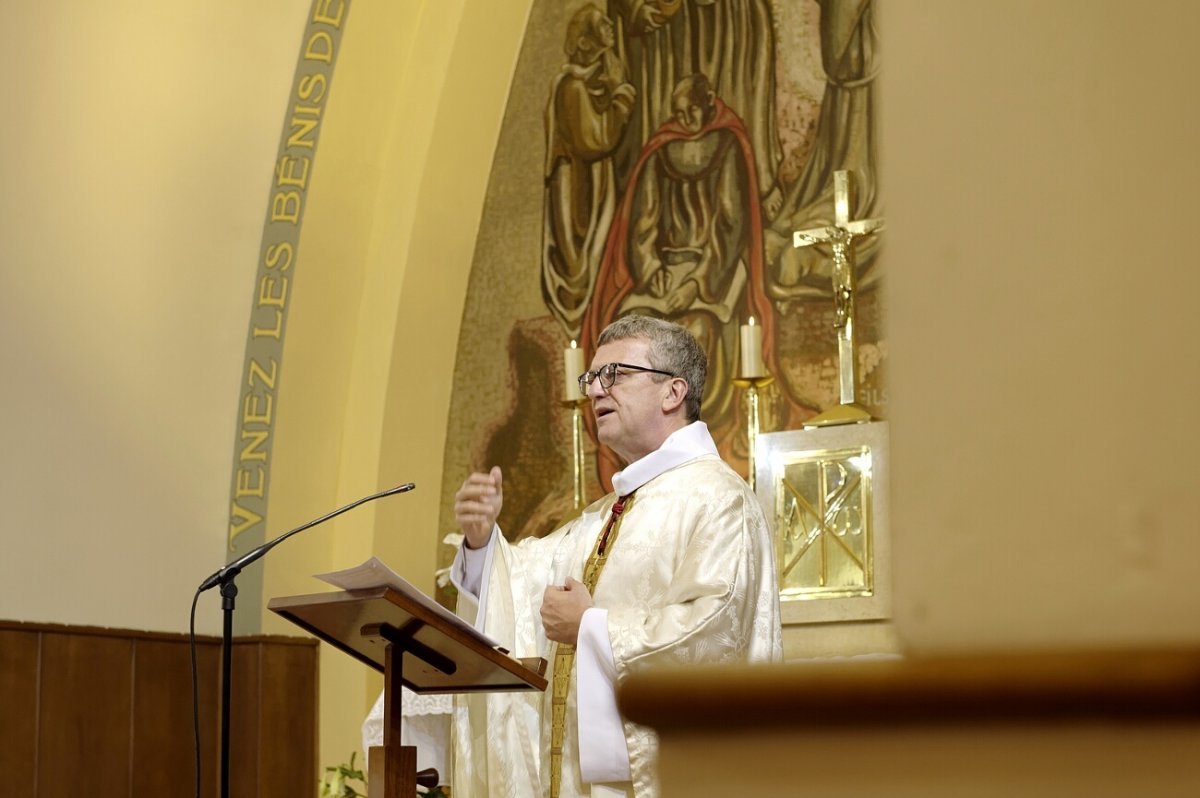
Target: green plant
[{"x": 336, "y": 782}]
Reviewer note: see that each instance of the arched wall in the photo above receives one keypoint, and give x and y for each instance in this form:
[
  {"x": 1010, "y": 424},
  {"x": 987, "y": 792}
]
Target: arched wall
[{"x": 386, "y": 247}]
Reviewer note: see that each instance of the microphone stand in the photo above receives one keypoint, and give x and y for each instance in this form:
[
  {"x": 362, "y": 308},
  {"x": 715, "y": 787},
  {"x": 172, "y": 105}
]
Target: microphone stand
[{"x": 225, "y": 578}]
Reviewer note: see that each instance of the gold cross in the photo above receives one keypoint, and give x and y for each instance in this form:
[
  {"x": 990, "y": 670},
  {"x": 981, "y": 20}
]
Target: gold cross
[{"x": 840, "y": 236}]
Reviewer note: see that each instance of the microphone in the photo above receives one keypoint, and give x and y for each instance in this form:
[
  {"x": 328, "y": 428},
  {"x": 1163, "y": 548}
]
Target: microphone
[{"x": 230, "y": 571}]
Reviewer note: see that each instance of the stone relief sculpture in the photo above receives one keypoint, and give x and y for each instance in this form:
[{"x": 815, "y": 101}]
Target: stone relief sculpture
[{"x": 586, "y": 116}]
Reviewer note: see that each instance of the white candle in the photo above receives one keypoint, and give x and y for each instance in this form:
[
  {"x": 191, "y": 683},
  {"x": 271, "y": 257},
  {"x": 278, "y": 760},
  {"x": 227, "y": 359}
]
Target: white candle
[
  {"x": 752, "y": 360},
  {"x": 572, "y": 368}
]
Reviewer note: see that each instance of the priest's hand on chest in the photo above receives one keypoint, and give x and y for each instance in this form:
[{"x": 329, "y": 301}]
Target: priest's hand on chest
[{"x": 563, "y": 608}]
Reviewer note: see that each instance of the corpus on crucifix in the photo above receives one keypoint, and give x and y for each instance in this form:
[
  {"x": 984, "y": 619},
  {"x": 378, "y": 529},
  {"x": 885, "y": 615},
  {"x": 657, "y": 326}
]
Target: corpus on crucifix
[{"x": 840, "y": 236}]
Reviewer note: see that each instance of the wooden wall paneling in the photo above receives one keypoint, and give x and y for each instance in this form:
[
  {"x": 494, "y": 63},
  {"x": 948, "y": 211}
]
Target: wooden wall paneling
[
  {"x": 245, "y": 734},
  {"x": 18, "y": 702},
  {"x": 84, "y": 727},
  {"x": 164, "y": 749},
  {"x": 108, "y": 712},
  {"x": 289, "y": 697}
]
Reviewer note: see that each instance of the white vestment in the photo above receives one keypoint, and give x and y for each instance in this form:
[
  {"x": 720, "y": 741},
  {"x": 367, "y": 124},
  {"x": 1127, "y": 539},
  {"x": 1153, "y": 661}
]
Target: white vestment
[{"x": 690, "y": 578}]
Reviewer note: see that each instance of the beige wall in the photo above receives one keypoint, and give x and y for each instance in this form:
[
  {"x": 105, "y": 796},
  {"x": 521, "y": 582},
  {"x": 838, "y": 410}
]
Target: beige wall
[
  {"x": 137, "y": 146},
  {"x": 1040, "y": 166}
]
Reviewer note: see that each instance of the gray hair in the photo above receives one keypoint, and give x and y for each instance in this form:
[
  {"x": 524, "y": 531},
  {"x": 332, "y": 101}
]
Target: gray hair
[{"x": 672, "y": 348}]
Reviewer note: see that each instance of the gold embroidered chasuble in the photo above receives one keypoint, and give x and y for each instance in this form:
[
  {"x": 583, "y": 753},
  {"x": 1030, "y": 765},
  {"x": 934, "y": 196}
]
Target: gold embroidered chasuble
[
  {"x": 690, "y": 578},
  {"x": 564, "y": 654}
]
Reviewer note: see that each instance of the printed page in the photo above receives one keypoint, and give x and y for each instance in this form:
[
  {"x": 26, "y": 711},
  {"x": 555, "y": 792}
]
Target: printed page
[{"x": 374, "y": 573}]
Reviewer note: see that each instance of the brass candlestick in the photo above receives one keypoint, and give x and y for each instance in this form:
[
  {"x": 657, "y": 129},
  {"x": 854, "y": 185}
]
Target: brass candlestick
[
  {"x": 576, "y": 406},
  {"x": 752, "y": 385}
]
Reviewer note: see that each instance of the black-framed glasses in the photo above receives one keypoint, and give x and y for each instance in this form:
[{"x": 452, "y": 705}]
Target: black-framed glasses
[{"x": 608, "y": 375}]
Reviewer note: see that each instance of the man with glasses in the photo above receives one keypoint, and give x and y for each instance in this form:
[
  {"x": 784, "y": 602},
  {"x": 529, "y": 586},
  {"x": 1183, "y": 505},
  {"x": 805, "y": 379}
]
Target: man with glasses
[{"x": 675, "y": 566}]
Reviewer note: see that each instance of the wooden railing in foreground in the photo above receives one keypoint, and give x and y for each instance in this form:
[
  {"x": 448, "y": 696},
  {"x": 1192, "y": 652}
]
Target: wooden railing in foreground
[{"x": 1107, "y": 723}]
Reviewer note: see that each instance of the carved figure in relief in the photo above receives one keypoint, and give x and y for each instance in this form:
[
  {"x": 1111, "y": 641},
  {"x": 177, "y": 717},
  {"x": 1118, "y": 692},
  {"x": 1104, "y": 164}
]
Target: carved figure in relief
[{"x": 589, "y": 106}]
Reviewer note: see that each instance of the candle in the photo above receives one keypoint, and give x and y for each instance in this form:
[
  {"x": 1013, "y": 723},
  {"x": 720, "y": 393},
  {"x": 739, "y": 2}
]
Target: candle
[
  {"x": 572, "y": 368},
  {"x": 752, "y": 362}
]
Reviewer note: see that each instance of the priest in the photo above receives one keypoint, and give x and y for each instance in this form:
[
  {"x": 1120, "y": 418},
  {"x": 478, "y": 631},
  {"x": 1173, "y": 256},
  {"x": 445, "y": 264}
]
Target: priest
[{"x": 675, "y": 566}]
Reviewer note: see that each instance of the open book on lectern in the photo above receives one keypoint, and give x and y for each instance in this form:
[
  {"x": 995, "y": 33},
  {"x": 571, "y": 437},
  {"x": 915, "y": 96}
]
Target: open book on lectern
[
  {"x": 379, "y": 610},
  {"x": 375, "y": 573}
]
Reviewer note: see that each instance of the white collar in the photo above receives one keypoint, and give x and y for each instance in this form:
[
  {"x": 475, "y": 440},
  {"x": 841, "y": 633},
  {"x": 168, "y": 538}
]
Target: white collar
[{"x": 680, "y": 446}]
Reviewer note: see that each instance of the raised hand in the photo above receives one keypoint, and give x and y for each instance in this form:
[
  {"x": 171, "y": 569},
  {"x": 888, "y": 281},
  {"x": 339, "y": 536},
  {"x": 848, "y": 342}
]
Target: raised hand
[{"x": 477, "y": 505}]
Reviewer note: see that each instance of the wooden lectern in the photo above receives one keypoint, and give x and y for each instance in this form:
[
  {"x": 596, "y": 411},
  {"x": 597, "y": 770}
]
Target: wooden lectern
[{"x": 414, "y": 645}]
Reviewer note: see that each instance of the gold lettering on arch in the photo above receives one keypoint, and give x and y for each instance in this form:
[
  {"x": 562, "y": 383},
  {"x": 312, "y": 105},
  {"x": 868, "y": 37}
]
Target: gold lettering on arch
[{"x": 278, "y": 258}]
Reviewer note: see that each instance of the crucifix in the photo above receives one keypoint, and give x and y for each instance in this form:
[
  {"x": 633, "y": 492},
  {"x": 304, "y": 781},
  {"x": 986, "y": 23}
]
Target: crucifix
[{"x": 840, "y": 236}]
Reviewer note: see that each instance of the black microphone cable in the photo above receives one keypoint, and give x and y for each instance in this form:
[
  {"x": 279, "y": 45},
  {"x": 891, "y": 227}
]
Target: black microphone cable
[{"x": 195, "y": 687}]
